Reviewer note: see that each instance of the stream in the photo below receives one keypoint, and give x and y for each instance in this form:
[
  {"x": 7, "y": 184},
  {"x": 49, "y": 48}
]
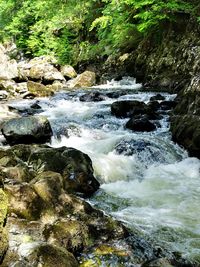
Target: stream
[{"x": 147, "y": 181}]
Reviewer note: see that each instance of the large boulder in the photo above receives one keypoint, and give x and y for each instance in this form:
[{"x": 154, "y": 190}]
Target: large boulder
[
  {"x": 38, "y": 89},
  {"x": 46, "y": 255},
  {"x": 39, "y": 69},
  {"x": 68, "y": 71},
  {"x": 85, "y": 79},
  {"x": 68, "y": 168},
  {"x": 45, "y": 72},
  {"x": 127, "y": 108},
  {"x": 92, "y": 97},
  {"x": 73, "y": 165},
  {"x": 27, "y": 130},
  {"x": 140, "y": 125}
]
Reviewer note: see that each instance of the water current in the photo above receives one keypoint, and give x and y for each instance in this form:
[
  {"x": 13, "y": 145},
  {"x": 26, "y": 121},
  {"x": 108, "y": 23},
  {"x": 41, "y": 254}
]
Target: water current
[{"x": 147, "y": 181}]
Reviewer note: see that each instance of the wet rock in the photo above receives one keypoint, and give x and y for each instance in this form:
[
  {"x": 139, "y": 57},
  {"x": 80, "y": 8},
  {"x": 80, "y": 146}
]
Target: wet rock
[
  {"x": 27, "y": 130},
  {"x": 146, "y": 151},
  {"x": 185, "y": 123},
  {"x": 115, "y": 94},
  {"x": 154, "y": 106},
  {"x": 127, "y": 108},
  {"x": 158, "y": 263},
  {"x": 167, "y": 105},
  {"x": 24, "y": 201},
  {"x": 140, "y": 125},
  {"x": 186, "y": 132},
  {"x": 5, "y": 114},
  {"x": 68, "y": 71},
  {"x": 46, "y": 255},
  {"x": 48, "y": 186},
  {"x": 131, "y": 147},
  {"x": 85, "y": 79},
  {"x": 19, "y": 173},
  {"x": 74, "y": 166},
  {"x": 157, "y": 97},
  {"x": 92, "y": 97},
  {"x": 33, "y": 109},
  {"x": 38, "y": 89},
  {"x": 72, "y": 234}
]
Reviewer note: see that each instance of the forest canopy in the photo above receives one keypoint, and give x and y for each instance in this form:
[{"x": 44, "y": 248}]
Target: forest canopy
[{"x": 81, "y": 30}]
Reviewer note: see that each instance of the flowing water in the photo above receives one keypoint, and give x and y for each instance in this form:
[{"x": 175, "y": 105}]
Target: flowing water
[{"x": 147, "y": 181}]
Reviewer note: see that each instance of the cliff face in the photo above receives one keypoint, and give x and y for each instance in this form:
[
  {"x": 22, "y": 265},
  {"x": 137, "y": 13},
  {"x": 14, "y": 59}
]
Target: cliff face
[{"x": 171, "y": 65}]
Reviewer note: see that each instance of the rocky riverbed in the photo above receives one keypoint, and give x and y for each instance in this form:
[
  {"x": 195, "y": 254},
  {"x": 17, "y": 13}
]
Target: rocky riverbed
[{"x": 64, "y": 156}]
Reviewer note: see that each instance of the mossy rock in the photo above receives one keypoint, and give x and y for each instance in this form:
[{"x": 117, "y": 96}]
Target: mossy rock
[
  {"x": 70, "y": 234},
  {"x": 24, "y": 201},
  {"x": 48, "y": 185},
  {"x": 46, "y": 255},
  {"x": 19, "y": 173}
]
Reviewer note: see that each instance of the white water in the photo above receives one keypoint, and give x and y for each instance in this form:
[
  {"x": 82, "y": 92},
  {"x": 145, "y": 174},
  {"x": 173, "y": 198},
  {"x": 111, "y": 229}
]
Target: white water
[{"x": 160, "y": 194}]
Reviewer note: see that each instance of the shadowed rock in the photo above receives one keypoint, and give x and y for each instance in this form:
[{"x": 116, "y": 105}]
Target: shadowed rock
[{"x": 27, "y": 130}]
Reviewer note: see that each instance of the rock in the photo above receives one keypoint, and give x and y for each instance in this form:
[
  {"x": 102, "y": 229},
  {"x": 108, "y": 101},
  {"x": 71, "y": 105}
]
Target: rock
[
  {"x": 48, "y": 185},
  {"x": 167, "y": 105},
  {"x": 115, "y": 94},
  {"x": 19, "y": 173},
  {"x": 186, "y": 132},
  {"x": 8, "y": 85},
  {"x": 45, "y": 72},
  {"x": 33, "y": 109},
  {"x": 158, "y": 263},
  {"x": 22, "y": 87},
  {"x": 68, "y": 71},
  {"x": 3, "y": 95},
  {"x": 140, "y": 125},
  {"x": 146, "y": 151},
  {"x": 5, "y": 114},
  {"x": 27, "y": 130},
  {"x": 157, "y": 97},
  {"x": 24, "y": 201},
  {"x": 28, "y": 95},
  {"x": 55, "y": 86},
  {"x": 72, "y": 234},
  {"x": 3, "y": 230},
  {"x": 39, "y": 89},
  {"x": 154, "y": 106},
  {"x": 92, "y": 97},
  {"x": 46, "y": 255},
  {"x": 7, "y": 158},
  {"x": 85, "y": 79},
  {"x": 8, "y": 67},
  {"x": 130, "y": 147},
  {"x": 73, "y": 165},
  {"x": 185, "y": 122},
  {"x": 127, "y": 108}
]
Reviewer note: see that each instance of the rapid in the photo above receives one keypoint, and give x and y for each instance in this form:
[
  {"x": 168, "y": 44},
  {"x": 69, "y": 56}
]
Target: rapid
[{"x": 147, "y": 181}]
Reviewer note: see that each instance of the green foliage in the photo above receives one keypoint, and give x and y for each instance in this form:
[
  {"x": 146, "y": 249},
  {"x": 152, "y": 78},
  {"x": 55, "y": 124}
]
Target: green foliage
[{"x": 81, "y": 30}]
